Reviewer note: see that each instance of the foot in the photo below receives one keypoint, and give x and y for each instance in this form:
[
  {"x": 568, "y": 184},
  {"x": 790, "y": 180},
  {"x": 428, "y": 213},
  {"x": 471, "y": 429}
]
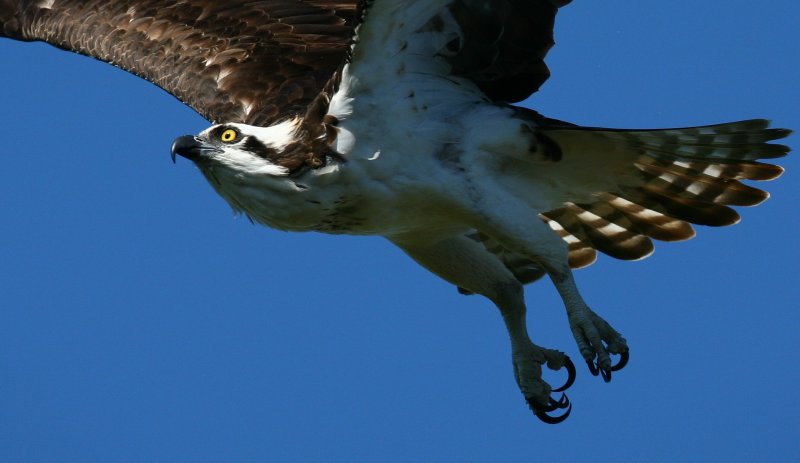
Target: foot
[
  {"x": 597, "y": 341},
  {"x": 528, "y": 373}
]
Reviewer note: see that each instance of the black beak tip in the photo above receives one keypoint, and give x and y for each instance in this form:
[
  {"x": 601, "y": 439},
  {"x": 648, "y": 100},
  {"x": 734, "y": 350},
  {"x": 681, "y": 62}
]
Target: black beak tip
[{"x": 186, "y": 146}]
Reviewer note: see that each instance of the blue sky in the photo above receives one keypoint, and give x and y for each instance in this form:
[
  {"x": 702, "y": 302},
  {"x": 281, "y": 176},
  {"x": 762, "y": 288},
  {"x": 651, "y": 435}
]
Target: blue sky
[{"x": 140, "y": 321}]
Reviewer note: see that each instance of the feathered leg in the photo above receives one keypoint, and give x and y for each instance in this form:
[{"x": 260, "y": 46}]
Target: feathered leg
[
  {"x": 516, "y": 227},
  {"x": 469, "y": 265}
]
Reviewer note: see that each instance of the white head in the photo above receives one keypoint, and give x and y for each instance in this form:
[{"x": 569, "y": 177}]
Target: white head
[{"x": 241, "y": 148}]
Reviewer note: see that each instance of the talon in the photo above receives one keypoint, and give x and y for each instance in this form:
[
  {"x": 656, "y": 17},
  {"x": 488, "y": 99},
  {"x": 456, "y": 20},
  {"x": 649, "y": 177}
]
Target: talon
[
  {"x": 541, "y": 412},
  {"x": 552, "y": 404},
  {"x": 545, "y": 418},
  {"x": 623, "y": 360},
  {"x": 606, "y": 374},
  {"x": 593, "y": 367},
  {"x": 550, "y": 407},
  {"x": 571, "y": 373},
  {"x": 563, "y": 402}
]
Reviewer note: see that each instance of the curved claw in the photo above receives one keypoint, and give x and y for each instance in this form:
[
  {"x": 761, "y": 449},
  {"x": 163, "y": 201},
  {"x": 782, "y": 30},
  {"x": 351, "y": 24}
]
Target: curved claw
[
  {"x": 623, "y": 360},
  {"x": 541, "y": 411},
  {"x": 593, "y": 368},
  {"x": 554, "y": 405},
  {"x": 571, "y": 374},
  {"x": 545, "y": 418},
  {"x": 550, "y": 406}
]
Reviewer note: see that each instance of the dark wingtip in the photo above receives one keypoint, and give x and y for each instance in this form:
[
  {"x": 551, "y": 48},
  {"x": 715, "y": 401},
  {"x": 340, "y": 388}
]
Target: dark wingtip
[
  {"x": 777, "y": 134},
  {"x": 9, "y": 21}
]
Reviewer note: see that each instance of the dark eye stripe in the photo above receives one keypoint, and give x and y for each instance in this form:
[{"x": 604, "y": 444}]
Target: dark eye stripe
[{"x": 255, "y": 146}]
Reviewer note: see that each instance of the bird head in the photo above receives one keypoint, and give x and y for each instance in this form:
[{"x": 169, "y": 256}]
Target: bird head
[{"x": 241, "y": 148}]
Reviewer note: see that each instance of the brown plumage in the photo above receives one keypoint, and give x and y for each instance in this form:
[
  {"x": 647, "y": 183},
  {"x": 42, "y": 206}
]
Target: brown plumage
[
  {"x": 505, "y": 49},
  {"x": 410, "y": 114},
  {"x": 259, "y": 62},
  {"x": 233, "y": 61}
]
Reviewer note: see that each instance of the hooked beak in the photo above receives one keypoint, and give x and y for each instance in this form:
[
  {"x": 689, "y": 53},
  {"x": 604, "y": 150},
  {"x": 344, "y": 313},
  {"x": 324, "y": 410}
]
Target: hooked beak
[{"x": 191, "y": 147}]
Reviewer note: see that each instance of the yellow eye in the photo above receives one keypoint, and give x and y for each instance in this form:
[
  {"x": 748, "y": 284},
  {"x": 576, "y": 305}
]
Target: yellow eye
[{"x": 229, "y": 136}]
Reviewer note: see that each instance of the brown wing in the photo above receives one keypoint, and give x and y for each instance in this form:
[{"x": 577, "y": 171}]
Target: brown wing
[
  {"x": 232, "y": 61},
  {"x": 503, "y": 45}
]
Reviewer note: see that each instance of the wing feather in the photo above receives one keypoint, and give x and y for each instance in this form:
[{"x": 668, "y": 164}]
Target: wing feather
[
  {"x": 234, "y": 61},
  {"x": 259, "y": 61},
  {"x": 502, "y": 45},
  {"x": 625, "y": 188},
  {"x": 656, "y": 183}
]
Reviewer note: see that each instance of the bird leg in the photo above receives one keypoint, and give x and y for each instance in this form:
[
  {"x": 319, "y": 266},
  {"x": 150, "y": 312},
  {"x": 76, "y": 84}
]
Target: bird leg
[
  {"x": 471, "y": 267},
  {"x": 511, "y": 223},
  {"x": 595, "y": 337},
  {"x": 528, "y": 358}
]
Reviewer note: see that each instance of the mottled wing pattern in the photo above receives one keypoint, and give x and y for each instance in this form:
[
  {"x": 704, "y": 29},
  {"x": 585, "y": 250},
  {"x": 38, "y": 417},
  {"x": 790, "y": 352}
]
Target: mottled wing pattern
[
  {"x": 233, "y": 61},
  {"x": 675, "y": 178}
]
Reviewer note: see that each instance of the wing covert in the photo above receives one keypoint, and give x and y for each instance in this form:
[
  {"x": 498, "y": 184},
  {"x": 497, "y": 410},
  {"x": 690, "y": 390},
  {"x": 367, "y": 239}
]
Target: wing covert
[{"x": 233, "y": 61}]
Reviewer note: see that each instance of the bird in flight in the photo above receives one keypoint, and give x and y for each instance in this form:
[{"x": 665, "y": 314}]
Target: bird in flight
[{"x": 396, "y": 118}]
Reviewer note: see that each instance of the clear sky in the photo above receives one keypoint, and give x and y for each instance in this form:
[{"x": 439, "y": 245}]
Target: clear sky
[{"x": 140, "y": 321}]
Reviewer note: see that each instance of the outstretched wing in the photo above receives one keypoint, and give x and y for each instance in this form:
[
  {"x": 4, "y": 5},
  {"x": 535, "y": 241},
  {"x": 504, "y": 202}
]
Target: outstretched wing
[
  {"x": 659, "y": 182},
  {"x": 233, "y": 61},
  {"x": 629, "y": 187},
  {"x": 259, "y": 61}
]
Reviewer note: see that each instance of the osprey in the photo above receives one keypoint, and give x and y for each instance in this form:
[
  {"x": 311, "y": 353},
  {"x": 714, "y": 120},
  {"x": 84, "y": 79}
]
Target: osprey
[{"x": 396, "y": 118}]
